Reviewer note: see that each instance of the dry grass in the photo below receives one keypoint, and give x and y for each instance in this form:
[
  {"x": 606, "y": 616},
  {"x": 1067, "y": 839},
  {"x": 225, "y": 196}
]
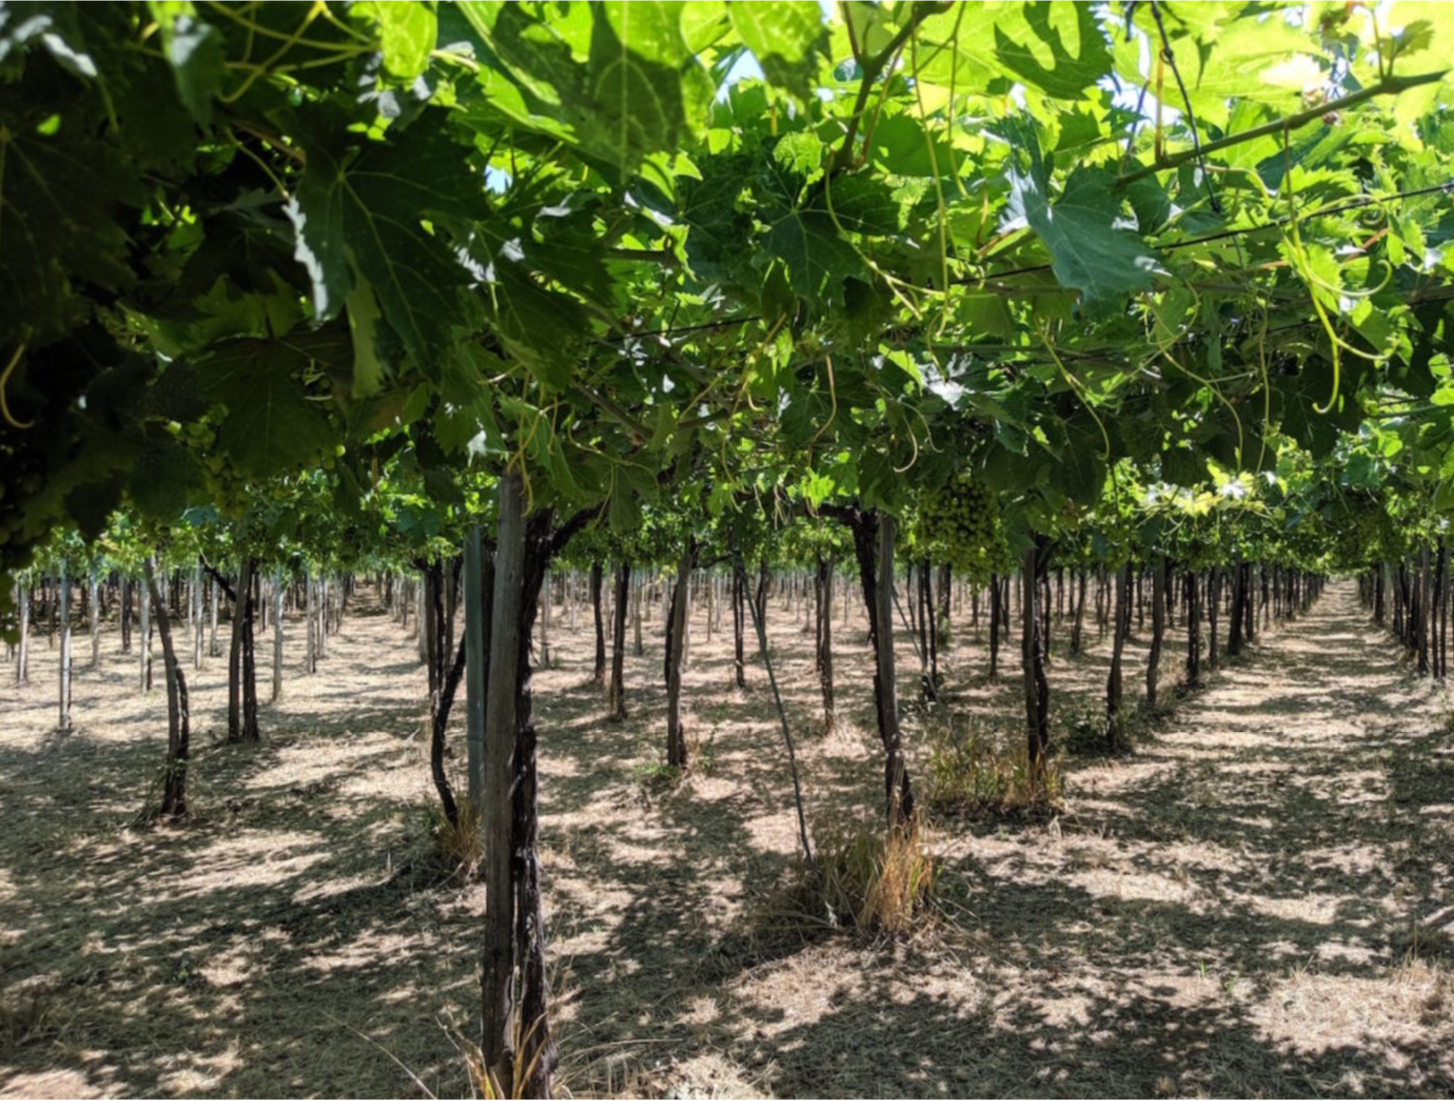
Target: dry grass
[
  {"x": 454, "y": 847},
  {"x": 27, "y": 1016},
  {"x": 977, "y": 772},
  {"x": 483, "y": 1081},
  {"x": 875, "y": 881}
]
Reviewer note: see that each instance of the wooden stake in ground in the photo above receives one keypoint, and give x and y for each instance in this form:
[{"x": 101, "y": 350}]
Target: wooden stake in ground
[
  {"x": 497, "y": 1045},
  {"x": 22, "y": 664},
  {"x": 278, "y": 588},
  {"x": 545, "y": 597},
  {"x": 782, "y": 715},
  {"x": 474, "y": 664},
  {"x": 95, "y": 621},
  {"x": 194, "y": 607},
  {"x": 145, "y": 603},
  {"x": 65, "y": 677}
]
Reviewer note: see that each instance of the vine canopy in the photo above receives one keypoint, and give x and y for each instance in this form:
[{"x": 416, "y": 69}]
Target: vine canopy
[{"x": 872, "y": 250}]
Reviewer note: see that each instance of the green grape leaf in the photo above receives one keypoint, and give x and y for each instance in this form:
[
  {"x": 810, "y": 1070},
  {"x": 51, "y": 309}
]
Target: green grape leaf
[
  {"x": 371, "y": 209},
  {"x": 788, "y": 38},
  {"x": 176, "y": 395},
  {"x": 163, "y": 478},
  {"x": 272, "y": 426},
  {"x": 195, "y": 53},
  {"x": 648, "y": 90},
  {"x": 1181, "y": 466},
  {"x": 407, "y": 34},
  {"x": 536, "y": 325},
  {"x": 61, "y": 194},
  {"x": 363, "y": 325},
  {"x": 1091, "y": 250},
  {"x": 818, "y": 258},
  {"x": 1054, "y": 30},
  {"x": 1056, "y": 48},
  {"x": 54, "y": 26}
]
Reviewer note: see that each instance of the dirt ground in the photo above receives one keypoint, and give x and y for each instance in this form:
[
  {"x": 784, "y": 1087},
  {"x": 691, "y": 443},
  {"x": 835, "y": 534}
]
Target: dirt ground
[{"x": 1256, "y": 902}]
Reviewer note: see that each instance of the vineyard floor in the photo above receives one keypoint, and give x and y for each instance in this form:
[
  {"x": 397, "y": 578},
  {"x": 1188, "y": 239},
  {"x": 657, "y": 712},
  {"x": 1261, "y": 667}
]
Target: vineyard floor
[{"x": 1255, "y": 902}]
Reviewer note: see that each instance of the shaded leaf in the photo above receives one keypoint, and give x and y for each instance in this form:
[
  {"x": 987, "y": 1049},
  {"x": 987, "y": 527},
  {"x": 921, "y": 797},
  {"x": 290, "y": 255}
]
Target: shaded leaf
[{"x": 788, "y": 38}]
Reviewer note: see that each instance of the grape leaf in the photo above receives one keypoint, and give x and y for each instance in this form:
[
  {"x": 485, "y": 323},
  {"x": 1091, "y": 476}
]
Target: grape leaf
[
  {"x": 271, "y": 426},
  {"x": 1067, "y": 75},
  {"x": 788, "y": 38},
  {"x": 195, "y": 53},
  {"x": 818, "y": 259},
  {"x": 363, "y": 324},
  {"x": 163, "y": 477},
  {"x": 372, "y": 209},
  {"x": 1084, "y": 230},
  {"x": 61, "y": 193},
  {"x": 648, "y": 89},
  {"x": 407, "y": 34}
]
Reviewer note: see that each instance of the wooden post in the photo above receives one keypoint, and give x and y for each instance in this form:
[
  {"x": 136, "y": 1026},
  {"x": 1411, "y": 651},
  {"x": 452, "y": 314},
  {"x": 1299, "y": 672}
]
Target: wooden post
[
  {"x": 474, "y": 667},
  {"x": 65, "y": 678},
  {"x": 497, "y": 1044}
]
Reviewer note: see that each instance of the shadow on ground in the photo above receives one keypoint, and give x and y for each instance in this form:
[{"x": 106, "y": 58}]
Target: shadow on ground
[{"x": 1250, "y": 904}]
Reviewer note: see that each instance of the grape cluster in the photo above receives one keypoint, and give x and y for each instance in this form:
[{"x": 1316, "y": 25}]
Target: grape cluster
[
  {"x": 228, "y": 491},
  {"x": 962, "y": 522},
  {"x": 1369, "y": 536},
  {"x": 229, "y": 494}
]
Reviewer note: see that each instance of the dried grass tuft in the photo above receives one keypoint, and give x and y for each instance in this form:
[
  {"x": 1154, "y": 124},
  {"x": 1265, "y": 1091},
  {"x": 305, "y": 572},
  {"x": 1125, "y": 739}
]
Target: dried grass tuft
[
  {"x": 27, "y": 1016},
  {"x": 877, "y": 882},
  {"x": 974, "y": 773},
  {"x": 483, "y": 1080},
  {"x": 1420, "y": 943},
  {"x": 448, "y": 852}
]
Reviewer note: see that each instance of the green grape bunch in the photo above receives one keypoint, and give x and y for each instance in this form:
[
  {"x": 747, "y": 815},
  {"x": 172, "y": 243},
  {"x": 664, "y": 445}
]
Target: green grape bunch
[
  {"x": 962, "y": 522},
  {"x": 1369, "y": 536}
]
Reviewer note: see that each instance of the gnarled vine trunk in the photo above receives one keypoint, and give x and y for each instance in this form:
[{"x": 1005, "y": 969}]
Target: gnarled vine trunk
[
  {"x": 513, "y": 987},
  {"x": 1115, "y": 716},
  {"x": 996, "y": 614},
  {"x": 1193, "y": 626},
  {"x": 739, "y": 614},
  {"x": 174, "y": 779},
  {"x": 598, "y": 672},
  {"x": 616, "y": 697},
  {"x": 873, "y": 549},
  {"x": 1032, "y": 655},
  {"x": 676, "y": 739},
  {"x": 443, "y": 682},
  {"x": 242, "y": 723},
  {"x": 1158, "y": 628},
  {"x": 824, "y": 652}
]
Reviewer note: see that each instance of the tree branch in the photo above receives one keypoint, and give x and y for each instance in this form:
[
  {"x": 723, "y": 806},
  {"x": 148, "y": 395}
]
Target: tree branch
[
  {"x": 563, "y": 534},
  {"x": 1391, "y": 85},
  {"x": 873, "y": 68},
  {"x": 451, "y": 686},
  {"x": 227, "y": 590}
]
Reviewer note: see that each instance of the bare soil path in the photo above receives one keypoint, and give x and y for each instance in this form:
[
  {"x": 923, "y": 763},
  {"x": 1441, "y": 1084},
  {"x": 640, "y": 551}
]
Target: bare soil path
[{"x": 1256, "y": 902}]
